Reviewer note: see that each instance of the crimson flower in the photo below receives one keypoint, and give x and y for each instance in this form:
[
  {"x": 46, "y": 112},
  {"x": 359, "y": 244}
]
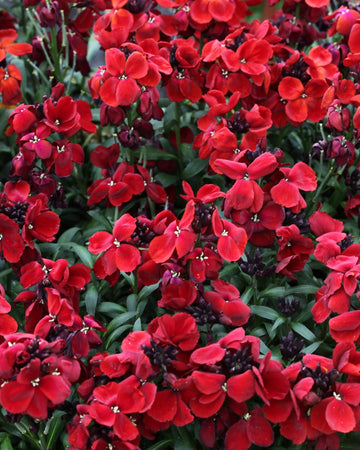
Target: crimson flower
[
  {"x": 303, "y": 102},
  {"x": 40, "y": 223},
  {"x": 286, "y": 192},
  {"x": 117, "y": 255},
  {"x": 177, "y": 235},
  {"x": 204, "y": 11},
  {"x": 246, "y": 193},
  {"x": 10, "y": 81},
  {"x": 294, "y": 250},
  {"x": 63, "y": 116},
  {"x": 232, "y": 239},
  {"x": 252, "y": 428},
  {"x": 7, "y": 45},
  {"x": 113, "y": 401},
  {"x": 225, "y": 300},
  {"x": 32, "y": 393},
  {"x": 11, "y": 244},
  {"x": 120, "y": 86},
  {"x": 7, "y": 323}
]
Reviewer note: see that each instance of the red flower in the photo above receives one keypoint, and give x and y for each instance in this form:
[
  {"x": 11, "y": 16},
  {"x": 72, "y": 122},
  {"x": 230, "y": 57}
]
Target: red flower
[
  {"x": 303, "y": 102},
  {"x": 253, "y": 56},
  {"x": 176, "y": 296},
  {"x": 225, "y": 300},
  {"x": 294, "y": 250},
  {"x": 62, "y": 117},
  {"x": 120, "y": 86},
  {"x": 286, "y": 192},
  {"x": 64, "y": 154},
  {"x": 10, "y": 81},
  {"x": 252, "y": 428},
  {"x": 246, "y": 193},
  {"x": 204, "y": 11},
  {"x": 11, "y": 244},
  {"x": 232, "y": 239},
  {"x": 178, "y": 235},
  {"x": 345, "y": 327},
  {"x": 40, "y": 223},
  {"x": 32, "y": 393},
  {"x": 117, "y": 255},
  {"x": 7, "y": 323},
  {"x": 118, "y": 188},
  {"x": 7, "y": 37},
  {"x": 114, "y": 400}
]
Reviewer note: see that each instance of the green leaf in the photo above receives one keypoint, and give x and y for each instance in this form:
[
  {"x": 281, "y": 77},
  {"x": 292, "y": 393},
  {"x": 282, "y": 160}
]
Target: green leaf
[
  {"x": 82, "y": 252},
  {"x": 161, "y": 445},
  {"x": 182, "y": 439},
  {"x": 148, "y": 290},
  {"x": 312, "y": 347},
  {"x": 137, "y": 325},
  {"x": 274, "y": 292},
  {"x": 265, "y": 312},
  {"x": 125, "y": 317},
  {"x": 117, "y": 333},
  {"x": 68, "y": 235},
  {"x": 301, "y": 329},
  {"x": 91, "y": 298},
  {"x": 277, "y": 323},
  {"x": 166, "y": 179},
  {"x": 194, "y": 167},
  {"x": 154, "y": 154},
  {"x": 308, "y": 289},
  {"x": 6, "y": 444},
  {"x": 129, "y": 278},
  {"x": 100, "y": 218},
  {"x": 111, "y": 308},
  {"x": 131, "y": 302}
]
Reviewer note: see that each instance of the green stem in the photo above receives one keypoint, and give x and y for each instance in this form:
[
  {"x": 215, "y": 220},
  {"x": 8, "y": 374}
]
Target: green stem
[
  {"x": 55, "y": 55},
  {"x": 72, "y": 72},
  {"x": 177, "y": 135},
  {"x": 38, "y": 71},
  {"x": 322, "y": 185}
]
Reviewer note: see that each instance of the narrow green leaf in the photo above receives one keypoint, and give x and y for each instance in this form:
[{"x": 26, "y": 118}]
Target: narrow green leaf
[
  {"x": 129, "y": 278},
  {"x": 6, "y": 444},
  {"x": 194, "y": 167},
  {"x": 100, "y": 218},
  {"x": 147, "y": 290},
  {"x": 301, "y": 329},
  {"x": 68, "y": 235},
  {"x": 131, "y": 302},
  {"x": 278, "y": 291},
  {"x": 91, "y": 298},
  {"x": 303, "y": 289},
  {"x": 116, "y": 334},
  {"x": 154, "y": 154},
  {"x": 265, "y": 312},
  {"x": 278, "y": 322},
  {"x": 137, "y": 325},
  {"x": 311, "y": 348},
  {"x": 183, "y": 439},
  {"x": 111, "y": 308},
  {"x": 161, "y": 445},
  {"x": 125, "y": 317}
]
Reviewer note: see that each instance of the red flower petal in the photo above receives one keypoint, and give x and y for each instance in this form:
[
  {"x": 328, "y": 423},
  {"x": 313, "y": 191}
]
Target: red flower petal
[
  {"x": 241, "y": 387},
  {"x": 210, "y": 354},
  {"x": 127, "y": 257},
  {"x": 340, "y": 416},
  {"x": 100, "y": 241},
  {"x": 16, "y": 397},
  {"x": 290, "y": 88}
]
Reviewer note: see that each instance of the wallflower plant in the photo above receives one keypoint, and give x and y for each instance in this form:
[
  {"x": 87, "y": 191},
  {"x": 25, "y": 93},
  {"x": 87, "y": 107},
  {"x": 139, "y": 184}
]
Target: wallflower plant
[{"x": 179, "y": 224}]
